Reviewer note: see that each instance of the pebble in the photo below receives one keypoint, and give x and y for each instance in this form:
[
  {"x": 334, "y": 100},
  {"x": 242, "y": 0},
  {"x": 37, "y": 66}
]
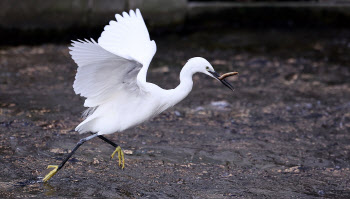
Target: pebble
[
  {"x": 321, "y": 192},
  {"x": 288, "y": 108},
  {"x": 199, "y": 108},
  {"x": 128, "y": 152},
  {"x": 308, "y": 105},
  {"x": 95, "y": 161},
  {"x": 220, "y": 104},
  {"x": 177, "y": 113}
]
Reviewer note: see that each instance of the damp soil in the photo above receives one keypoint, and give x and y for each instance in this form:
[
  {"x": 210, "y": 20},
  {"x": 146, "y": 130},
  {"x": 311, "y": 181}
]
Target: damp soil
[{"x": 283, "y": 133}]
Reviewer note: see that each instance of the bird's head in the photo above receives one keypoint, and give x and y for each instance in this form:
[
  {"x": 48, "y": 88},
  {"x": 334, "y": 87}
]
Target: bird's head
[{"x": 201, "y": 65}]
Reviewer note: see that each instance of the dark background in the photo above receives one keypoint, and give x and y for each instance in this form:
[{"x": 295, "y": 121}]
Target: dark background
[{"x": 283, "y": 133}]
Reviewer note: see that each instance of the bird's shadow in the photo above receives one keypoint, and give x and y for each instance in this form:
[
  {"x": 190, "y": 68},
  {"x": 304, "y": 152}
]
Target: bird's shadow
[{"x": 49, "y": 190}]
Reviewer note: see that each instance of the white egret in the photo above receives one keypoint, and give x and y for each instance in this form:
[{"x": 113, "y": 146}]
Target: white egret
[{"x": 111, "y": 75}]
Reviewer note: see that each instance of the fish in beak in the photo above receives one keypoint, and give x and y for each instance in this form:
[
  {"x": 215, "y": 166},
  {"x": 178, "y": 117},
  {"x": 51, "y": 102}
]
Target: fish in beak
[{"x": 222, "y": 79}]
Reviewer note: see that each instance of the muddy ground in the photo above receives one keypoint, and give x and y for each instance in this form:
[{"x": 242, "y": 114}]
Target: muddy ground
[{"x": 283, "y": 133}]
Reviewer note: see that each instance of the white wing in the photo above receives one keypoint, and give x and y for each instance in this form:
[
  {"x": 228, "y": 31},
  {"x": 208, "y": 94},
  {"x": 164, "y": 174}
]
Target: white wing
[
  {"x": 129, "y": 38},
  {"x": 112, "y": 66}
]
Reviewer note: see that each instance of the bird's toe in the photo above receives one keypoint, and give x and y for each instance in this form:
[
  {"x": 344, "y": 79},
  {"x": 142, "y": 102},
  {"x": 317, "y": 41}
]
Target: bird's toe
[
  {"x": 52, "y": 173},
  {"x": 120, "y": 156}
]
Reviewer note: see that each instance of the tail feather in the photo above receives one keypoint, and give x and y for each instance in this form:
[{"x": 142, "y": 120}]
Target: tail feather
[
  {"x": 88, "y": 112},
  {"x": 87, "y": 124}
]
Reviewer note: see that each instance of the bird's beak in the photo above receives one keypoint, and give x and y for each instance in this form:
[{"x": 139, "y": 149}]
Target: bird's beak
[{"x": 222, "y": 79}]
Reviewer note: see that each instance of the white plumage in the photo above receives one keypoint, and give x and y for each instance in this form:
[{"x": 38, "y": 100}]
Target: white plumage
[{"x": 111, "y": 75}]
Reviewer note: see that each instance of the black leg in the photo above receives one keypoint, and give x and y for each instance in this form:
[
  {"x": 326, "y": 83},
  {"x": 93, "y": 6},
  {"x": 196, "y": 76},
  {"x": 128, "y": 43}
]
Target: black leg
[
  {"x": 81, "y": 142},
  {"x": 108, "y": 141},
  {"x": 117, "y": 150},
  {"x": 57, "y": 168}
]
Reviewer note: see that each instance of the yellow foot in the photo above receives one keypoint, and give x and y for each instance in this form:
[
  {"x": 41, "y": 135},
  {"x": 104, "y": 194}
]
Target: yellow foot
[
  {"x": 52, "y": 173},
  {"x": 120, "y": 156}
]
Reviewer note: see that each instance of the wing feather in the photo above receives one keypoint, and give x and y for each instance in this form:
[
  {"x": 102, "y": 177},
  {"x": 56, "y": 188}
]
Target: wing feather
[
  {"x": 102, "y": 74},
  {"x": 113, "y": 65},
  {"x": 128, "y": 37}
]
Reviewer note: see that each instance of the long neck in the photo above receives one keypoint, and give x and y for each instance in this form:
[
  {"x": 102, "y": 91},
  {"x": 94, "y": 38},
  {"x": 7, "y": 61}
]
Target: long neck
[{"x": 185, "y": 86}]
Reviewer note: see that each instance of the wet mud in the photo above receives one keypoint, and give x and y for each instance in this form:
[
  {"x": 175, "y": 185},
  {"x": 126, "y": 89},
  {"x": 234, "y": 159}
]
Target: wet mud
[{"x": 283, "y": 133}]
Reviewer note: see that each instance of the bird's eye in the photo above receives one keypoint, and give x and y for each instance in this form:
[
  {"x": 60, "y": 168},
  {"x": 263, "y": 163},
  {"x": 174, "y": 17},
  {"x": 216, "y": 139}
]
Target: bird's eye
[{"x": 207, "y": 68}]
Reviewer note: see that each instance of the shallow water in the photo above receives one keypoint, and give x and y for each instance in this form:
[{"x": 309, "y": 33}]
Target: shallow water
[{"x": 282, "y": 133}]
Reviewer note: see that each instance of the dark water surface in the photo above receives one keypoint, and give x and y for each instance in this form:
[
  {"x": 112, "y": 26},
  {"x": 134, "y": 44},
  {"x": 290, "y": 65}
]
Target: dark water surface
[{"x": 284, "y": 132}]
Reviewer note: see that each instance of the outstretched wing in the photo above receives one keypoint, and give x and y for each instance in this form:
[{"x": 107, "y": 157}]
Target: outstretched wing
[
  {"x": 102, "y": 74},
  {"x": 129, "y": 38},
  {"x": 111, "y": 67}
]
